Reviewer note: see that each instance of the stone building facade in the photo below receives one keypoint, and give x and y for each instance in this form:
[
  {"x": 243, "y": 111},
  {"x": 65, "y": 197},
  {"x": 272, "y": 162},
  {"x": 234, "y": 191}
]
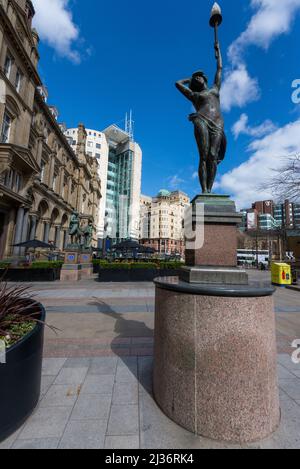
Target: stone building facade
[
  {"x": 42, "y": 179},
  {"x": 162, "y": 222}
]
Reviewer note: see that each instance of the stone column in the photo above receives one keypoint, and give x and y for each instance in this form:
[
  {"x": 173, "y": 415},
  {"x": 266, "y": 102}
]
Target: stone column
[
  {"x": 33, "y": 227},
  {"x": 47, "y": 231},
  {"x": 51, "y": 171},
  {"x": 24, "y": 231},
  {"x": 10, "y": 233},
  {"x": 39, "y": 150},
  {"x": 18, "y": 231},
  {"x": 70, "y": 191},
  {"x": 66, "y": 239},
  {"x": 61, "y": 181},
  {"x": 57, "y": 236}
]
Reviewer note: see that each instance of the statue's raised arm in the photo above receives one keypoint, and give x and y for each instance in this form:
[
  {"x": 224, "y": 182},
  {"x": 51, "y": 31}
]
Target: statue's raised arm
[{"x": 218, "y": 77}]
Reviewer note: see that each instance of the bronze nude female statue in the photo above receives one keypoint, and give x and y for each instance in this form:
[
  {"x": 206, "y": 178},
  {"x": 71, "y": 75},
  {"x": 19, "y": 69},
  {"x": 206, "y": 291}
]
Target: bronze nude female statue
[{"x": 208, "y": 121}]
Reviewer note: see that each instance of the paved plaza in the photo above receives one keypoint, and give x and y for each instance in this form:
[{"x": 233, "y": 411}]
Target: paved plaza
[{"x": 97, "y": 373}]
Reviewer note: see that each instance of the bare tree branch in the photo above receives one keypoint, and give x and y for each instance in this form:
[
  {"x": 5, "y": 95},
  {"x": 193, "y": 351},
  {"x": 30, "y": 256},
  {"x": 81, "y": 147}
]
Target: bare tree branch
[{"x": 285, "y": 184}]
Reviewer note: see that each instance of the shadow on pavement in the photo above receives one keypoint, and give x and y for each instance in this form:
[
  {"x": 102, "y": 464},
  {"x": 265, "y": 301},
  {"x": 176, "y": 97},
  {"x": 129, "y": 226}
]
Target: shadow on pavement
[{"x": 140, "y": 367}]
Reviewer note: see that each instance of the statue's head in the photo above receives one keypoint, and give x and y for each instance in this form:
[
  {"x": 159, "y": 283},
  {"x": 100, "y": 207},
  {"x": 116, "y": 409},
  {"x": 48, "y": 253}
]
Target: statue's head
[{"x": 199, "y": 81}]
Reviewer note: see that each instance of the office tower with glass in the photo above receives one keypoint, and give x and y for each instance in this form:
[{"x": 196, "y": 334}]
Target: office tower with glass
[
  {"x": 123, "y": 185},
  {"x": 120, "y": 170}
]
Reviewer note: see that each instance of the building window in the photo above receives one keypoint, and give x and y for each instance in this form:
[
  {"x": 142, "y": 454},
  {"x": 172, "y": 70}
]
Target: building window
[
  {"x": 98, "y": 156},
  {"x": 89, "y": 144},
  {"x": 18, "y": 179},
  {"x": 18, "y": 82},
  {"x": 98, "y": 146},
  {"x": 8, "y": 182},
  {"x": 7, "y": 66},
  {"x": 13, "y": 180},
  {"x": 6, "y": 127},
  {"x": 43, "y": 168},
  {"x": 54, "y": 182}
]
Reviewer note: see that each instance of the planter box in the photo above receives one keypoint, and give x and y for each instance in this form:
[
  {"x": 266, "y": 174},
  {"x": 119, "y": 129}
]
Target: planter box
[
  {"x": 114, "y": 275},
  {"x": 20, "y": 380},
  {"x": 169, "y": 272},
  {"x": 31, "y": 275},
  {"x": 143, "y": 275},
  {"x": 135, "y": 275}
]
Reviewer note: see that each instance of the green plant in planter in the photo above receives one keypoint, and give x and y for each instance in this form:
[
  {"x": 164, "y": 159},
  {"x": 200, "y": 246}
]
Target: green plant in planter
[
  {"x": 46, "y": 265},
  {"x": 144, "y": 265},
  {"x": 18, "y": 313},
  {"x": 171, "y": 265},
  {"x": 117, "y": 266}
]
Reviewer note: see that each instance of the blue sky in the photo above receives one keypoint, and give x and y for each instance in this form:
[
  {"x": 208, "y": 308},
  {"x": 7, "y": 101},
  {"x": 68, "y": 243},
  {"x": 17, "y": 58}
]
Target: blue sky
[{"x": 104, "y": 58}]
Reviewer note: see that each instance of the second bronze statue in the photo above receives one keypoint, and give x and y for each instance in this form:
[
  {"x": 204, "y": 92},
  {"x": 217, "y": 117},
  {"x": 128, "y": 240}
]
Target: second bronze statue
[{"x": 208, "y": 120}]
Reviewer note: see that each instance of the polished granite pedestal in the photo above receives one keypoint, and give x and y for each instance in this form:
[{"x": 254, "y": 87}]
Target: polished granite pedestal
[{"x": 215, "y": 370}]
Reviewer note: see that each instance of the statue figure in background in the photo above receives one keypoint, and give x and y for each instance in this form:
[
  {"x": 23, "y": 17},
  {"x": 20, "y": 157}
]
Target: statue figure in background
[
  {"x": 74, "y": 228},
  {"x": 208, "y": 121},
  {"x": 88, "y": 234}
]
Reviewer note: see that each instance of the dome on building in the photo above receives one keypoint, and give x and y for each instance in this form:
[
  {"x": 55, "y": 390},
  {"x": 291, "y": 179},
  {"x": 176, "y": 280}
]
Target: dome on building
[{"x": 164, "y": 193}]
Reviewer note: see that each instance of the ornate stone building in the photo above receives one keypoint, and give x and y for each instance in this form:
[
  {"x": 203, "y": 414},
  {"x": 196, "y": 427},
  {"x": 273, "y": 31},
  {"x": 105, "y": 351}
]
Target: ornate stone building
[
  {"x": 162, "y": 221},
  {"x": 42, "y": 179}
]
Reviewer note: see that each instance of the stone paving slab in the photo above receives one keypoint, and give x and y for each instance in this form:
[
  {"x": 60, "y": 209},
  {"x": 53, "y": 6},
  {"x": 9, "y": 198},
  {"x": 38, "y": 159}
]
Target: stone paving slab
[
  {"x": 102, "y": 347},
  {"x": 92, "y": 407},
  {"x": 37, "y": 443},
  {"x": 49, "y": 422},
  {"x": 127, "y": 416},
  {"x": 97, "y": 373},
  {"x": 100, "y": 309},
  {"x": 87, "y": 434},
  {"x": 98, "y": 384},
  {"x": 122, "y": 442},
  {"x": 71, "y": 376},
  {"x": 124, "y": 420}
]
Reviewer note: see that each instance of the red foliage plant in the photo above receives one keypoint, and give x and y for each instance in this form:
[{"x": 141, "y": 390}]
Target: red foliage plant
[{"x": 17, "y": 306}]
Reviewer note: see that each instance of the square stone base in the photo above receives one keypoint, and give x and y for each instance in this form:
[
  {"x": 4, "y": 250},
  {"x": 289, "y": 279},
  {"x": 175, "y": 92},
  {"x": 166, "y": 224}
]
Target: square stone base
[
  {"x": 219, "y": 249},
  {"x": 85, "y": 258},
  {"x": 86, "y": 270},
  {"x": 72, "y": 257},
  {"x": 214, "y": 276},
  {"x": 71, "y": 273},
  {"x": 220, "y": 232}
]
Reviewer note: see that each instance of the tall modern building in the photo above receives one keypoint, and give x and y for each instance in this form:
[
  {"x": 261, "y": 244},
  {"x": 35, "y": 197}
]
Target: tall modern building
[
  {"x": 97, "y": 147},
  {"x": 120, "y": 160}
]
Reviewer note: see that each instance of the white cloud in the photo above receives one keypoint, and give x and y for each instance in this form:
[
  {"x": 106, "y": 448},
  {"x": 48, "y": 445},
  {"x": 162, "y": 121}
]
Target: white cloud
[
  {"x": 55, "y": 25},
  {"x": 267, "y": 154},
  {"x": 242, "y": 127},
  {"x": 239, "y": 88},
  {"x": 175, "y": 181},
  {"x": 271, "y": 19}
]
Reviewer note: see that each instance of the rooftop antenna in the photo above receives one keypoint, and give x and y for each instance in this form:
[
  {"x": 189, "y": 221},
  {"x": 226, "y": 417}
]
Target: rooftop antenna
[{"x": 129, "y": 126}]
